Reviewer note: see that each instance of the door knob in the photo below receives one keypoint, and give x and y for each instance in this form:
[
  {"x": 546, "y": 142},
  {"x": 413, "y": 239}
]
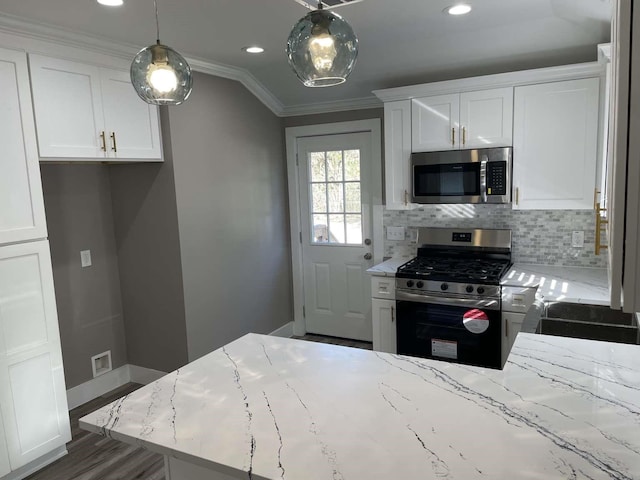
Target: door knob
[
  {"x": 367, "y": 256},
  {"x": 367, "y": 241}
]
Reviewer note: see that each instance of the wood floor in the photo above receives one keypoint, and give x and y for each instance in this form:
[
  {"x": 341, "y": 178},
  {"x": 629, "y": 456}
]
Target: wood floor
[{"x": 93, "y": 457}]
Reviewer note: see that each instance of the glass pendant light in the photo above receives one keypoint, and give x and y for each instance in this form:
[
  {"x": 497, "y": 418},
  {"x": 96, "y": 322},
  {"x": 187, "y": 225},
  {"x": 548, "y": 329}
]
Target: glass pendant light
[
  {"x": 159, "y": 74},
  {"x": 322, "y": 48}
]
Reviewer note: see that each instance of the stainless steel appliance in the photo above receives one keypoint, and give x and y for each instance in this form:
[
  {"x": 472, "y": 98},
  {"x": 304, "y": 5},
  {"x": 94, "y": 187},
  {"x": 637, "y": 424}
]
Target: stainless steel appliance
[
  {"x": 448, "y": 298},
  {"x": 462, "y": 176}
]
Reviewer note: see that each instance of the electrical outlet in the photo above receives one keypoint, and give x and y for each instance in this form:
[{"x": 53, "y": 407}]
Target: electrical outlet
[
  {"x": 395, "y": 233},
  {"x": 85, "y": 258},
  {"x": 577, "y": 239}
]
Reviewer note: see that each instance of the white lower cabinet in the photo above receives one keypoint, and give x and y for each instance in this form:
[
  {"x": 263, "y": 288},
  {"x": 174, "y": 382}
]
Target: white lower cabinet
[
  {"x": 384, "y": 325},
  {"x": 33, "y": 402},
  {"x": 511, "y": 325}
]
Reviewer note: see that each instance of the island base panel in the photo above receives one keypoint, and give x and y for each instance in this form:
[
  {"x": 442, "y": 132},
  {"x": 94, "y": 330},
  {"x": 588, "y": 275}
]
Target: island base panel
[{"x": 180, "y": 470}]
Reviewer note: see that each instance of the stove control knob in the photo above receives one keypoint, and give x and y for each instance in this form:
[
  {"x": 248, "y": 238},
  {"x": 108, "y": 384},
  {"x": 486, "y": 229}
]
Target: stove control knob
[
  {"x": 469, "y": 288},
  {"x": 410, "y": 283},
  {"x": 420, "y": 284},
  {"x": 444, "y": 286},
  {"x": 480, "y": 290}
]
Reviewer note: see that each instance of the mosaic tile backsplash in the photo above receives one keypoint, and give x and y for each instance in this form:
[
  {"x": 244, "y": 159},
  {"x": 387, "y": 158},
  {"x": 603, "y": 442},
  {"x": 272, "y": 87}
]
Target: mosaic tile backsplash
[{"x": 539, "y": 236}]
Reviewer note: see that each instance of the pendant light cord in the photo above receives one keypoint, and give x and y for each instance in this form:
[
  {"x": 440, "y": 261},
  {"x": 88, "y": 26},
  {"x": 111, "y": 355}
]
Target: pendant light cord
[{"x": 155, "y": 4}]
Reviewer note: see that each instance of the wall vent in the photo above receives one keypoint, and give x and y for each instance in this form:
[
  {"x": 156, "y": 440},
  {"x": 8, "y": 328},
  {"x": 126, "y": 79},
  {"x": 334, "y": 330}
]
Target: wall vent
[
  {"x": 327, "y": 4},
  {"x": 101, "y": 363}
]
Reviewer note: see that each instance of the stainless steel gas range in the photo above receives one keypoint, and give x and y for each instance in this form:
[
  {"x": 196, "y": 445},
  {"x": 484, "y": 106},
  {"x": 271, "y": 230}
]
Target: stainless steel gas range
[{"x": 448, "y": 298}]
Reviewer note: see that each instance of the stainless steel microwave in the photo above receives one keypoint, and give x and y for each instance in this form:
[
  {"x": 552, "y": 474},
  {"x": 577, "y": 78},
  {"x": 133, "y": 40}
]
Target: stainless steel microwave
[{"x": 462, "y": 176}]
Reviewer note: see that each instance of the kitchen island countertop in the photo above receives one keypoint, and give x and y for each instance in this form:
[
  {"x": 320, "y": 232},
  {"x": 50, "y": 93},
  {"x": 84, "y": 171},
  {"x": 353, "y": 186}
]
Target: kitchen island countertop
[{"x": 272, "y": 408}]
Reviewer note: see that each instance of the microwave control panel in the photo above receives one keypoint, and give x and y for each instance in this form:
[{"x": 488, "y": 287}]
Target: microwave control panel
[{"x": 496, "y": 178}]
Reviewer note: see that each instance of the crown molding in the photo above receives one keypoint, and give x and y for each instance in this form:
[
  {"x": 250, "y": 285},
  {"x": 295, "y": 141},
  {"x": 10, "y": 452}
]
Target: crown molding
[
  {"x": 335, "y": 106},
  {"x": 29, "y": 36}
]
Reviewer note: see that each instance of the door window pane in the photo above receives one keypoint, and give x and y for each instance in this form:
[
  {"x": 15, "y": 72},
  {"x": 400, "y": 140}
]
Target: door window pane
[
  {"x": 317, "y": 167},
  {"x": 319, "y": 194},
  {"x": 352, "y": 165},
  {"x": 335, "y": 197},
  {"x": 354, "y": 229}
]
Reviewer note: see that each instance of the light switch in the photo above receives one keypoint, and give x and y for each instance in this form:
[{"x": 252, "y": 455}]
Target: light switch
[
  {"x": 85, "y": 258},
  {"x": 395, "y": 233},
  {"x": 577, "y": 239}
]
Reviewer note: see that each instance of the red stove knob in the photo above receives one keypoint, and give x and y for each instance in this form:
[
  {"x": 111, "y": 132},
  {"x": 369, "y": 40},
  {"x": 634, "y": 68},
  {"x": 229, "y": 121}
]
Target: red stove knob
[
  {"x": 409, "y": 283},
  {"x": 480, "y": 290},
  {"x": 444, "y": 286},
  {"x": 469, "y": 288},
  {"x": 420, "y": 284}
]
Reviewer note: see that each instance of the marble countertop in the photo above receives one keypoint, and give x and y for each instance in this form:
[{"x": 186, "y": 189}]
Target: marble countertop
[
  {"x": 565, "y": 284},
  {"x": 389, "y": 267},
  {"x": 273, "y": 408}
]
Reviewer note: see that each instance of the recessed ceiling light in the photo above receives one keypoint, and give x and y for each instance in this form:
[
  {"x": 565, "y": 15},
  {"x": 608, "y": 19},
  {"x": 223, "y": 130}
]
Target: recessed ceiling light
[
  {"x": 460, "y": 9},
  {"x": 253, "y": 49},
  {"x": 111, "y": 3}
]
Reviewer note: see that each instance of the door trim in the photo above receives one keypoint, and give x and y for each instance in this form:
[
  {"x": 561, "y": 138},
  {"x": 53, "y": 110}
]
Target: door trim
[{"x": 292, "y": 134}]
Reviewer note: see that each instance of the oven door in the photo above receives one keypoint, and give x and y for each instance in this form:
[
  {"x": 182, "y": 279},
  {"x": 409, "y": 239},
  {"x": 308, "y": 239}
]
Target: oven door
[{"x": 469, "y": 333}]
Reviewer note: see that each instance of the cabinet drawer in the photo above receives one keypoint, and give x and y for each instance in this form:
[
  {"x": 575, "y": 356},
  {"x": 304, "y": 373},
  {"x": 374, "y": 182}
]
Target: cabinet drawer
[{"x": 383, "y": 287}]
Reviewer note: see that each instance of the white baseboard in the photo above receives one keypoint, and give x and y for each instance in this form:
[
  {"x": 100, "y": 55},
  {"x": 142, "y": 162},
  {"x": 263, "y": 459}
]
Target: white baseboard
[
  {"x": 284, "y": 331},
  {"x": 87, "y": 391},
  {"x": 144, "y": 375},
  {"x": 95, "y": 387},
  {"x": 32, "y": 467}
]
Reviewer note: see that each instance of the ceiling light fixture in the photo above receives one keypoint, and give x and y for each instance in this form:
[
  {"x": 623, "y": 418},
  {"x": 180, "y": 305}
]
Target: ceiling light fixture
[
  {"x": 460, "y": 9},
  {"x": 253, "y": 49},
  {"x": 322, "y": 48},
  {"x": 111, "y": 3},
  {"x": 160, "y": 75}
]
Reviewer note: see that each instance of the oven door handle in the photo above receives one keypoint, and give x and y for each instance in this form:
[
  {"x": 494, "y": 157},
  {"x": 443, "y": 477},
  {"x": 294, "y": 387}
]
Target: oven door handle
[{"x": 487, "y": 303}]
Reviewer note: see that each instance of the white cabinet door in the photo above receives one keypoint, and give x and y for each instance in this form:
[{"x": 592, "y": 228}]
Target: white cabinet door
[
  {"x": 486, "y": 118},
  {"x": 555, "y": 144},
  {"x": 384, "y": 325},
  {"x": 434, "y": 123},
  {"x": 68, "y": 108},
  {"x": 511, "y": 325},
  {"x": 33, "y": 399},
  {"x": 22, "y": 214},
  {"x": 133, "y": 126},
  {"x": 397, "y": 155},
  {"x": 5, "y": 466}
]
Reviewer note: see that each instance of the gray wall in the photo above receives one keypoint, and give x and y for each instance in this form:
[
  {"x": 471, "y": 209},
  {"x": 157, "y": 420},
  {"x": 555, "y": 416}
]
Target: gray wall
[
  {"x": 148, "y": 246},
  {"x": 79, "y": 216},
  {"x": 231, "y": 192},
  {"x": 333, "y": 117}
]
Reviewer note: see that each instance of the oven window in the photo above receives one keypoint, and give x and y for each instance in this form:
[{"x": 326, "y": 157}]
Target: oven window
[
  {"x": 446, "y": 180},
  {"x": 336, "y": 204}
]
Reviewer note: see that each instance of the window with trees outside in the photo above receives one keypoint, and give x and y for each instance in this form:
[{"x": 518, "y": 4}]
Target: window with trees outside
[{"x": 336, "y": 206}]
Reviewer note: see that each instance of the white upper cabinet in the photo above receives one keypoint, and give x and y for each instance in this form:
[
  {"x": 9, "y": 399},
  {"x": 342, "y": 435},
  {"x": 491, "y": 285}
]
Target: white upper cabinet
[
  {"x": 397, "y": 155},
  {"x": 477, "y": 119},
  {"x": 91, "y": 113},
  {"x": 555, "y": 144},
  {"x": 22, "y": 214}
]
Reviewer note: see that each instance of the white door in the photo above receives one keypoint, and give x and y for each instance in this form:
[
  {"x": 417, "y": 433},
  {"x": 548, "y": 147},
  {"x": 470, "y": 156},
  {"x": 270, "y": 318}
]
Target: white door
[
  {"x": 132, "y": 126},
  {"x": 5, "y": 466},
  {"x": 33, "y": 400},
  {"x": 434, "y": 123},
  {"x": 68, "y": 108},
  {"x": 486, "y": 118},
  {"x": 334, "y": 175},
  {"x": 21, "y": 205}
]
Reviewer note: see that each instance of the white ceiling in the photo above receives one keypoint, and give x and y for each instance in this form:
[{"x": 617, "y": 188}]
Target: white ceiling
[{"x": 402, "y": 42}]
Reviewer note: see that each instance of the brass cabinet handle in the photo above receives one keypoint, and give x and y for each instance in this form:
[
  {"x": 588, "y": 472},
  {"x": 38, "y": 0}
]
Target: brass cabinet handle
[
  {"x": 103, "y": 141},
  {"x": 464, "y": 135},
  {"x": 453, "y": 137},
  {"x": 392, "y": 315},
  {"x": 406, "y": 197},
  {"x": 113, "y": 141},
  {"x": 599, "y": 222},
  {"x": 517, "y": 195},
  {"x": 596, "y": 192}
]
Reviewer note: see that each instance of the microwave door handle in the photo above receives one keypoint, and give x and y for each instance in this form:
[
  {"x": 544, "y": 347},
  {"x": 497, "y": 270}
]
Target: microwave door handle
[{"x": 483, "y": 178}]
